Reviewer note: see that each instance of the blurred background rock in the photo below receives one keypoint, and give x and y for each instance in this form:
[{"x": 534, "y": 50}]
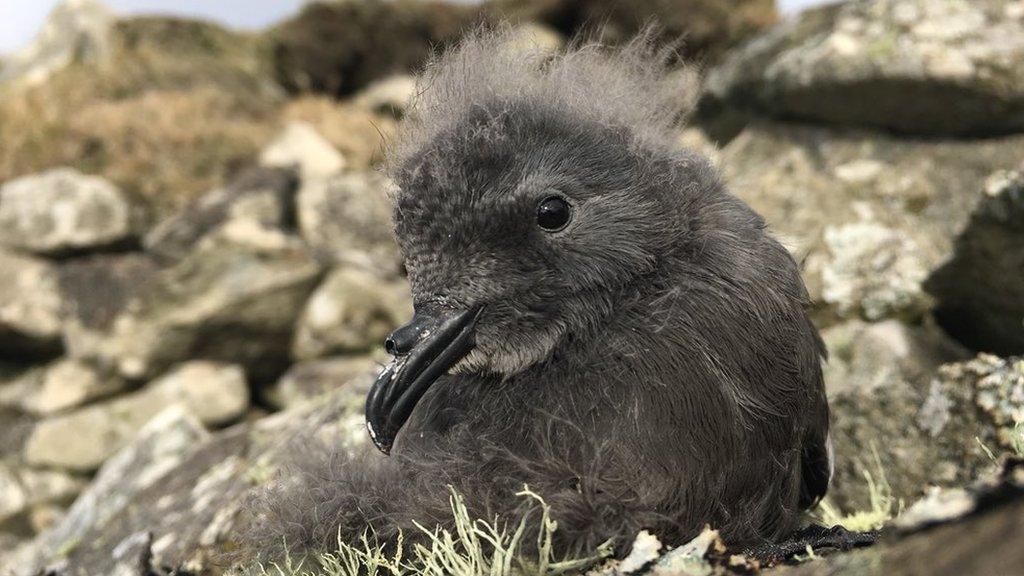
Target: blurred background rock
[{"x": 196, "y": 261}]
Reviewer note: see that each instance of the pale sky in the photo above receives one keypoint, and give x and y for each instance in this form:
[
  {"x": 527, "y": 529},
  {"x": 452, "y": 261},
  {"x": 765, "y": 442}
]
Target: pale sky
[{"x": 20, "y": 19}]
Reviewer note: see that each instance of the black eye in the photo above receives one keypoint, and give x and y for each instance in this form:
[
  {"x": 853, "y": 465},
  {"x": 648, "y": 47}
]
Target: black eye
[{"x": 553, "y": 213}]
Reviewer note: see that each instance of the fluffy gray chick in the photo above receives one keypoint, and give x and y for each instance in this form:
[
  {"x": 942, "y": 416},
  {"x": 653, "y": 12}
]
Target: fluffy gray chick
[{"x": 596, "y": 317}]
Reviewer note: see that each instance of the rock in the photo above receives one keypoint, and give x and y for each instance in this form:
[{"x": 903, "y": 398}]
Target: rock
[
  {"x": 930, "y": 67},
  {"x": 314, "y": 379},
  {"x": 235, "y": 299},
  {"x": 66, "y": 384},
  {"x": 63, "y": 211},
  {"x": 30, "y": 306},
  {"x": 347, "y": 220},
  {"x": 21, "y": 490},
  {"x": 388, "y": 96},
  {"x": 709, "y": 27},
  {"x": 300, "y": 148},
  {"x": 159, "y": 449},
  {"x": 980, "y": 290},
  {"x": 867, "y": 215},
  {"x": 95, "y": 290},
  {"x": 909, "y": 422},
  {"x": 352, "y": 311},
  {"x": 76, "y": 31},
  {"x": 186, "y": 488},
  {"x": 973, "y": 531},
  {"x": 264, "y": 196},
  {"x": 359, "y": 134},
  {"x": 339, "y": 47},
  {"x": 82, "y": 440}
]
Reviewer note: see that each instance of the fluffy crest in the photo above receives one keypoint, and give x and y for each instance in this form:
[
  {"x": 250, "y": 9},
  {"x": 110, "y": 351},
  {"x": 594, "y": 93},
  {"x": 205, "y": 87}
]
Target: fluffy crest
[{"x": 635, "y": 86}]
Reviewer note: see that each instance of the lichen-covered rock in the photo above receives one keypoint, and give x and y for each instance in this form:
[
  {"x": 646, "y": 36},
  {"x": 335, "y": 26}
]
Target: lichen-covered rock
[
  {"x": 929, "y": 425},
  {"x": 347, "y": 220},
  {"x": 30, "y": 305},
  {"x": 264, "y": 196},
  {"x": 352, "y": 311},
  {"x": 94, "y": 291},
  {"x": 314, "y": 379},
  {"x": 235, "y": 298},
  {"x": 76, "y": 31},
  {"x": 66, "y": 384},
  {"x": 980, "y": 290},
  {"x": 63, "y": 211},
  {"x": 83, "y": 439},
  {"x": 948, "y": 67},
  {"x": 159, "y": 449},
  {"x": 867, "y": 215},
  {"x": 185, "y": 488},
  {"x": 299, "y": 147}
]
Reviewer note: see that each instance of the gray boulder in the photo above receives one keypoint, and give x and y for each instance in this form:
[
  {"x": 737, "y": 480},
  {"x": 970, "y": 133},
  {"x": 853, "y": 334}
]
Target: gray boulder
[
  {"x": 63, "y": 211},
  {"x": 935, "y": 67},
  {"x": 76, "y": 31},
  {"x": 347, "y": 220},
  {"x": 83, "y": 439},
  {"x": 235, "y": 298},
  {"x": 262, "y": 196},
  {"x": 868, "y": 216},
  {"x": 980, "y": 290},
  {"x": 95, "y": 290},
  {"x": 30, "y": 305},
  {"x": 352, "y": 311}
]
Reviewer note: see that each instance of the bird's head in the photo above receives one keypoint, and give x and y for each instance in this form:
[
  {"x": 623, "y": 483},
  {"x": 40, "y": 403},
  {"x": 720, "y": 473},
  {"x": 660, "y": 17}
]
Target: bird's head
[{"x": 531, "y": 193}]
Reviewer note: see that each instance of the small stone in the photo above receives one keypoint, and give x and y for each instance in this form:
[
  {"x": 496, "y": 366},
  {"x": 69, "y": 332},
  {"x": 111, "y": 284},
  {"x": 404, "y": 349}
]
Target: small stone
[
  {"x": 300, "y": 147},
  {"x": 63, "y": 211},
  {"x": 646, "y": 549}
]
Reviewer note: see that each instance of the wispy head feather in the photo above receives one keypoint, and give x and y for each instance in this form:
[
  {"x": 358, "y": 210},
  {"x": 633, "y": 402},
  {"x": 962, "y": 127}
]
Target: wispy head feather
[{"x": 635, "y": 86}]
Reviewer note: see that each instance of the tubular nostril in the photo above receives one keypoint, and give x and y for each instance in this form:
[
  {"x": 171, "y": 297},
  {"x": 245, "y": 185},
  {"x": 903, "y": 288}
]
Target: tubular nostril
[{"x": 390, "y": 346}]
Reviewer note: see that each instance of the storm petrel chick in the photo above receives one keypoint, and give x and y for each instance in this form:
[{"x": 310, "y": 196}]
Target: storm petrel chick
[{"x": 596, "y": 317}]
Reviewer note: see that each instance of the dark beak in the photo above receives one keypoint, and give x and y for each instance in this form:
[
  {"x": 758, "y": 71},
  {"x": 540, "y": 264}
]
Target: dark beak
[{"x": 424, "y": 349}]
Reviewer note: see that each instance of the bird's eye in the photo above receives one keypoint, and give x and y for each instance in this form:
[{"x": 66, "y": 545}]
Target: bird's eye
[{"x": 553, "y": 213}]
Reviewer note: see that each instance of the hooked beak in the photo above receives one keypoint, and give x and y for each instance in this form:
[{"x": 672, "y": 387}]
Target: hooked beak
[{"x": 424, "y": 349}]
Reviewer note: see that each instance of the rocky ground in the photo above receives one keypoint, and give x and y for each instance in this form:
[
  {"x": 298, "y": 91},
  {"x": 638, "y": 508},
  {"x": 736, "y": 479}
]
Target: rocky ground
[{"x": 197, "y": 263}]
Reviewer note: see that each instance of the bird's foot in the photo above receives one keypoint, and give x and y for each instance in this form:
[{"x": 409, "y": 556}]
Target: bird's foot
[{"x": 814, "y": 537}]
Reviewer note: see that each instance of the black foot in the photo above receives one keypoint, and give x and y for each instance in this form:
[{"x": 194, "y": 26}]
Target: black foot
[{"x": 817, "y": 537}]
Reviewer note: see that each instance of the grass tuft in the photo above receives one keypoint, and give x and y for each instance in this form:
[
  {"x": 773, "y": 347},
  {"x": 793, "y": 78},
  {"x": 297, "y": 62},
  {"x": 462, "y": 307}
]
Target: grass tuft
[
  {"x": 474, "y": 547},
  {"x": 883, "y": 506}
]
